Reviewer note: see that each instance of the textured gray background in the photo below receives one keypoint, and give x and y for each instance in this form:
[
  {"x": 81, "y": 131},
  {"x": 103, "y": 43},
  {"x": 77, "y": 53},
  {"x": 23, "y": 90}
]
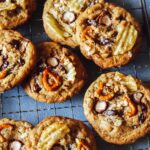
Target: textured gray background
[{"x": 16, "y": 104}]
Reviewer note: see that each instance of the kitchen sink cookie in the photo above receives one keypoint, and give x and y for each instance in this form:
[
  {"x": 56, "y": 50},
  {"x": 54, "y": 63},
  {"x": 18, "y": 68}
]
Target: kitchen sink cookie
[
  {"x": 108, "y": 35},
  {"x": 118, "y": 107},
  {"x": 15, "y": 12},
  {"x": 13, "y": 134},
  {"x": 60, "y": 16},
  {"x": 58, "y": 76},
  {"x": 59, "y": 133},
  {"x": 17, "y": 58}
]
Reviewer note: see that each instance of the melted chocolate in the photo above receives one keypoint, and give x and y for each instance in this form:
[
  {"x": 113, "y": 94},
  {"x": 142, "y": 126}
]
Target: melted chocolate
[
  {"x": 37, "y": 88},
  {"x": 142, "y": 118},
  {"x": 143, "y": 107},
  {"x": 15, "y": 43},
  {"x": 21, "y": 62},
  {"x": 58, "y": 147}
]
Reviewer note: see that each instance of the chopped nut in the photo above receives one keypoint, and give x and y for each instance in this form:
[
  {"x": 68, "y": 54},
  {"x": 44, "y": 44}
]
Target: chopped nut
[{"x": 69, "y": 17}]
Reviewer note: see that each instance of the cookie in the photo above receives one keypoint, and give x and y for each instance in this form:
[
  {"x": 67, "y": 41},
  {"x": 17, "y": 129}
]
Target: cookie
[
  {"x": 15, "y": 12},
  {"x": 108, "y": 35},
  {"x": 59, "y": 74},
  {"x": 13, "y": 134},
  {"x": 59, "y": 19},
  {"x": 59, "y": 133},
  {"x": 17, "y": 58},
  {"x": 118, "y": 107}
]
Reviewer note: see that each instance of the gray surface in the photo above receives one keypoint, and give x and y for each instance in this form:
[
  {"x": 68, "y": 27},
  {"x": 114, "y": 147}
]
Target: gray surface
[{"x": 17, "y": 105}]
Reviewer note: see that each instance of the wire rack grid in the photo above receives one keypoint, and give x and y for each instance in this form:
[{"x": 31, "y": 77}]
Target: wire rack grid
[{"x": 16, "y": 104}]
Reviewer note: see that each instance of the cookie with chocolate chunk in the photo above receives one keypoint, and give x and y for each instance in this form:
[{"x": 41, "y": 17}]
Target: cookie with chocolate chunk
[
  {"x": 59, "y": 74},
  {"x": 118, "y": 107},
  {"x": 17, "y": 58},
  {"x": 13, "y": 134},
  {"x": 15, "y": 12},
  {"x": 59, "y": 19},
  {"x": 108, "y": 35},
  {"x": 60, "y": 133}
]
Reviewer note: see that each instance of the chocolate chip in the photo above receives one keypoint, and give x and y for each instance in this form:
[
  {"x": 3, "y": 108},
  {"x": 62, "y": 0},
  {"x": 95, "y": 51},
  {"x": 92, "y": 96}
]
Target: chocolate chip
[
  {"x": 15, "y": 43},
  {"x": 111, "y": 112},
  {"x": 14, "y": 12},
  {"x": 21, "y": 62},
  {"x": 142, "y": 118},
  {"x": 37, "y": 88},
  {"x": 2, "y": 0},
  {"x": 115, "y": 34},
  {"x": 5, "y": 63},
  {"x": 120, "y": 18}
]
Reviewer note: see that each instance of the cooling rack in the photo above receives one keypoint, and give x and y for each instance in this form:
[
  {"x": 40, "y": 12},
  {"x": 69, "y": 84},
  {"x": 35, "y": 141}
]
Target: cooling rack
[{"x": 16, "y": 104}]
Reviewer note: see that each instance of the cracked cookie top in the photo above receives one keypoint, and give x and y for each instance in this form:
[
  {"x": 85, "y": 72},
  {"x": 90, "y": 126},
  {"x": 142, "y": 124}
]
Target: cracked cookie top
[
  {"x": 118, "y": 104},
  {"x": 60, "y": 16},
  {"x": 108, "y": 35},
  {"x": 59, "y": 133},
  {"x": 59, "y": 74}
]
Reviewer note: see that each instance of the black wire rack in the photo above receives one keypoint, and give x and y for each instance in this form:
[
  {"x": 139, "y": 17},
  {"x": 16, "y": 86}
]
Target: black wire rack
[{"x": 16, "y": 104}]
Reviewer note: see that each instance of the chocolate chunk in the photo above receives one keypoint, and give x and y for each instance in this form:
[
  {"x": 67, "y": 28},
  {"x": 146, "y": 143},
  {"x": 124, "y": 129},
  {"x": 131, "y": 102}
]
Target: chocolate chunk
[
  {"x": 111, "y": 112},
  {"x": 143, "y": 107},
  {"x": 60, "y": 68},
  {"x": 2, "y": 1},
  {"x": 68, "y": 147},
  {"x": 14, "y": 12},
  {"x": 21, "y": 62},
  {"x": 5, "y": 64},
  {"x": 15, "y": 44},
  {"x": 58, "y": 147},
  {"x": 120, "y": 18},
  {"x": 142, "y": 118},
  {"x": 115, "y": 34},
  {"x": 37, "y": 88}
]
